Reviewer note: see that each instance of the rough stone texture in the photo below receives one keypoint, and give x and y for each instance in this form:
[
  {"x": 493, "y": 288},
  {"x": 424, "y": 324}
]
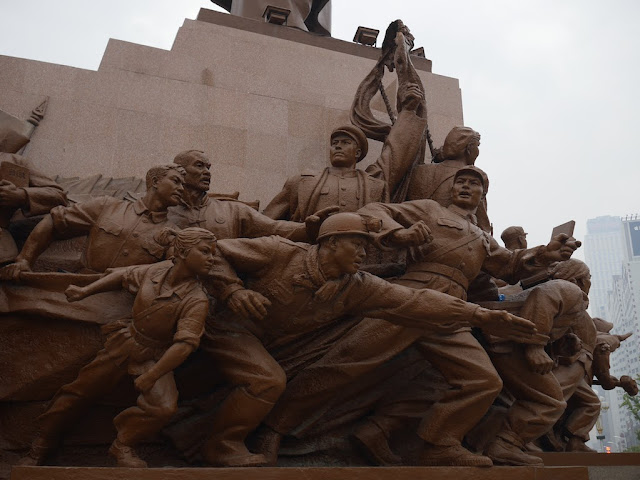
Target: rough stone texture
[
  {"x": 614, "y": 473},
  {"x": 260, "y": 100},
  {"x": 590, "y": 459},
  {"x": 363, "y": 473}
]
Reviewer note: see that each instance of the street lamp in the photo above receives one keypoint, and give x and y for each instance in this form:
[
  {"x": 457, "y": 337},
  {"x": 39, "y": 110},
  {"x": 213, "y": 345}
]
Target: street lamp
[{"x": 604, "y": 406}]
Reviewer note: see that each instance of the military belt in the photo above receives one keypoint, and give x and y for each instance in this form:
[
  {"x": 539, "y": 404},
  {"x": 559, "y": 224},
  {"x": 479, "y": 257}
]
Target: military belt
[
  {"x": 451, "y": 273},
  {"x": 146, "y": 341}
]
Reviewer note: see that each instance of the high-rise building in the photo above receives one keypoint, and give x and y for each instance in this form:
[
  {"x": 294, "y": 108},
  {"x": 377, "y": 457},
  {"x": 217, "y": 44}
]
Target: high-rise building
[
  {"x": 623, "y": 310},
  {"x": 604, "y": 253}
]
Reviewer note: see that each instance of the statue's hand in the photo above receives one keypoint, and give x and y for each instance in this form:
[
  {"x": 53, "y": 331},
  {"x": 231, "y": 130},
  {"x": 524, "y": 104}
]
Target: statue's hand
[
  {"x": 75, "y": 293},
  {"x": 503, "y": 324},
  {"x": 629, "y": 385},
  {"x": 411, "y": 97},
  {"x": 416, "y": 234},
  {"x": 14, "y": 270},
  {"x": 248, "y": 304},
  {"x": 12, "y": 196},
  {"x": 144, "y": 382},
  {"x": 538, "y": 360},
  {"x": 313, "y": 222},
  {"x": 561, "y": 247}
]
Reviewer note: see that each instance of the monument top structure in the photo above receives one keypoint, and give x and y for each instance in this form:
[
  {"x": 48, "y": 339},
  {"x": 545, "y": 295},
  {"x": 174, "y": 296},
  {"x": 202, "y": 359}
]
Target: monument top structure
[{"x": 308, "y": 15}]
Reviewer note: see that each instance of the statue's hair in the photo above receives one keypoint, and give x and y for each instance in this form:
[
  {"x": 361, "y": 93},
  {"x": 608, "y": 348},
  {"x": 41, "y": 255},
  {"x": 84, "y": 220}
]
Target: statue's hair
[
  {"x": 570, "y": 270},
  {"x": 160, "y": 171},
  {"x": 185, "y": 158},
  {"x": 456, "y": 142},
  {"x": 183, "y": 240}
]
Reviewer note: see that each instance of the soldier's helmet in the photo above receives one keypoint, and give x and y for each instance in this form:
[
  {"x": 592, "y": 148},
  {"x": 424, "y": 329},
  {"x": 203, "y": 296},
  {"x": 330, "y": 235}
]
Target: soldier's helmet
[{"x": 347, "y": 223}]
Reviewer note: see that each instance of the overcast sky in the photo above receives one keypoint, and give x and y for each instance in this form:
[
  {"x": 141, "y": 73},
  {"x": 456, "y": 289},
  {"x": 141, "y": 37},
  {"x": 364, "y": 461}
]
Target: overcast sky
[{"x": 552, "y": 85}]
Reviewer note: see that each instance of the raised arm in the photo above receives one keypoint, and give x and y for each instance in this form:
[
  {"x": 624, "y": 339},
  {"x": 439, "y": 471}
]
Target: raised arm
[{"x": 400, "y": 148}]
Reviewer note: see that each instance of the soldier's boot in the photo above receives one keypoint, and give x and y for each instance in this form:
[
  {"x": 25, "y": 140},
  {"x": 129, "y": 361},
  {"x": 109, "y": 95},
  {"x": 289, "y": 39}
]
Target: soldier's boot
[
  {"x": 125, "y": 455},
  {"x": 552, "y": 441},
  {"x": 507, "y": 451},
  {"x": 576, "y": 444},
  {"x": 373, "y": 443},
  {"x": 37, "y": 453},
  {"x": 239, "y": 415},
  {"x": 453, "y": 456},
  {"x": 268, "y": 444}
]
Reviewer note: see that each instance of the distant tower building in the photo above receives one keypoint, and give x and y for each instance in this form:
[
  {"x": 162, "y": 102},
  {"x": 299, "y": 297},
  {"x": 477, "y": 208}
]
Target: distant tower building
[
  {"x": 624, "y": 312},
  {"x": 604, "y": 253}
]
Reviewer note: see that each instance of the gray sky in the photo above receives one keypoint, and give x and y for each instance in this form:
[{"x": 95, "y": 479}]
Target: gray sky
[{"x": 552, "y": 85}]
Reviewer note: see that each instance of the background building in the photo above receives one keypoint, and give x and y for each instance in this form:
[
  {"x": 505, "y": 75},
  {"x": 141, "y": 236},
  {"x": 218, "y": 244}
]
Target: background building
[
  {"x": 603, "y": 252},
  {"x": 624, "y": 300},
  {"x": 612, "y": 251}
]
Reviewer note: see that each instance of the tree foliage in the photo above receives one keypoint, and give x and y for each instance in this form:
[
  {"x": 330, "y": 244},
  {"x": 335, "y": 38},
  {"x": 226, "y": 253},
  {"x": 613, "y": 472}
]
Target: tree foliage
[{"x": 633, "y": 405}]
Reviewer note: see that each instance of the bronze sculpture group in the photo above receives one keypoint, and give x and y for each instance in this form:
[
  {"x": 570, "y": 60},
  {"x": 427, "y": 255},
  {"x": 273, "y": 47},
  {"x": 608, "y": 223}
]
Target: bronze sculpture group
[{"x": 277, "y": 303}]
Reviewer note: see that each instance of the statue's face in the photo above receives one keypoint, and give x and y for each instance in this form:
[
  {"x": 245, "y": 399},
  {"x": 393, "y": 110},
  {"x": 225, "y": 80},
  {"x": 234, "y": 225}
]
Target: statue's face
[
  {"x": 170, "y": 187},
  {"x": 199, "y": 258},
  {"x": 344, "y": 151},
  {"x": 198, "y": 173},
  {"x": 348, "y": 252},
  {"x": 467, "y": 191}
]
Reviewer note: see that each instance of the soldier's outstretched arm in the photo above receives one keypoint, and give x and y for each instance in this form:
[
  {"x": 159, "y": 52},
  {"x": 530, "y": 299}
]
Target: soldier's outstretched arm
[
  {"x": 426, "y": 308},
  {"x": 504, "y": 324}
]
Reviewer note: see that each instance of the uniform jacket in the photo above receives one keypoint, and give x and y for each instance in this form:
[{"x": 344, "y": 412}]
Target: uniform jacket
[
  {"x": 288, "y": 274},
  {"x": 121, "y": 233},
  {"x": 305, "y": 194},
  {"x": 434, "y": 181},
  {"x": 159, "y": 317},
  {"x": 459, "y": 250}
]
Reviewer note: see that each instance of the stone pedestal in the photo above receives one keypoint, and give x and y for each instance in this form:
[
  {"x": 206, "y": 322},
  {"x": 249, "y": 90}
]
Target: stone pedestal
[
  {"x": 259, "y": 99},
  {"x": 336, "y": 473}
]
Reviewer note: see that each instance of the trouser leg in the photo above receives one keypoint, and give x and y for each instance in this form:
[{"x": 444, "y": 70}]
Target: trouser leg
[
  {"x": 242, "y": 360},
  {"x": 153, "y": 410},
  {"x": 258, "y": 382},
  {"x": 539, "y": 402},
  {"x": 569, "y": 377},
  {"x": 474, "y": 384},
  {"x": 366, "y": 346},
  {"x": 94, "y": 380},
  {"x": 585, "y": 412}
]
